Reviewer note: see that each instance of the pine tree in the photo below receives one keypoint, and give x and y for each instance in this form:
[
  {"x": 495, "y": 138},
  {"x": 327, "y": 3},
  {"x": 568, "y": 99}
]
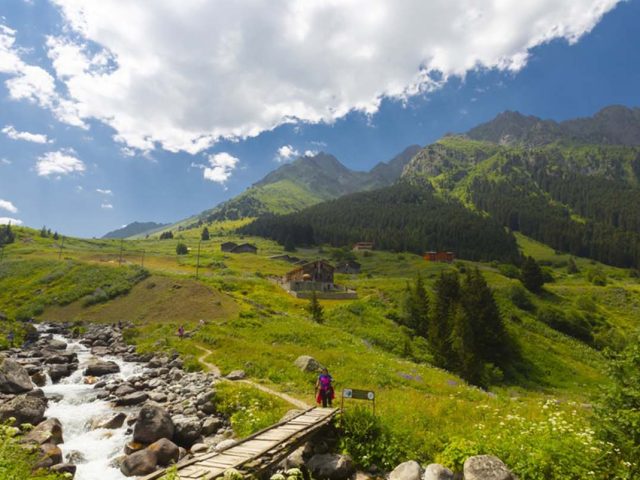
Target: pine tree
[
  {"x": 464, "y": 356},
  {"x": 43, "y": 232},
  {"x": 315, "y": 309},
  {"x": 447, "y": 295},
  {"x": 55, "y": 235},
  {"x": 6, "y": 234},
  {"x": 205, "y": 234},
  {"x": 531, "y": 275}
]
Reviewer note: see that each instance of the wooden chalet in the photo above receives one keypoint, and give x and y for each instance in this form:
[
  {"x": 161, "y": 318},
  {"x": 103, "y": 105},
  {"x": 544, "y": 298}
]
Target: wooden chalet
[
  {"x": 315, "y": 278},
  {"x": 446, "y": 257},
  {"x": 363, "y": 246},
  {"x": 319, "y": 271},
  {"x": 245, "y": 248},
  {"x": 228, "y": 246}
]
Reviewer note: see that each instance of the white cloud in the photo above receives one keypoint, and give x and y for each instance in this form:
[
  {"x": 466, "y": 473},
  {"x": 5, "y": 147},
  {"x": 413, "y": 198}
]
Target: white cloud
[
  {"x": 12, "y": 221},
  {"x": 221, "y": 166},
  {"x": 62, "y": 162},
  {"x": 235, "y": 69},
  {"x": 286, "y": 153},
  {"x": 310, "y": 153},
  {"x": 8, "y": 206},
  {"x": 4, "y": 161},
  {"x": 14, "y": 134},
  {"x": 104, "y": 191},
  {"x": 106, "y": 206}
]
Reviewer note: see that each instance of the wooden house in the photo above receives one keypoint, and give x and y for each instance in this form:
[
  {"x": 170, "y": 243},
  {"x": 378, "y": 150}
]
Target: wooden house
[
  {"x": 228, "y": 246},
  {"x": 319, "y": 271},
  {"x": 447, "y": 257},
  {"x": 315, "y": 278},
  {"x": 245, "y": 248},
  {"x": 363, "y": 246}
]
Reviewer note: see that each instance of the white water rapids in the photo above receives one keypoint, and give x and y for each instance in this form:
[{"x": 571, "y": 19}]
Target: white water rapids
[{"x": 76, "y": 409}]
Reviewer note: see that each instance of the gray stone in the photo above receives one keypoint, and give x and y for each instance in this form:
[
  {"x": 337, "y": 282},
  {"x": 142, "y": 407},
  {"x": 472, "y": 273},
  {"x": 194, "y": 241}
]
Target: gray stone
[
  {"x": 50, "y": 455},
  {"x": 188, "y": 430},
  {"x": 486, "y": 467},
  {"x": 58, "y": 371},
  {"x": 139, "y": 463},
  {"x": 211, "y": 425},
  {"x": 158, "y": 397},
  {"x": 435, "y": 471},
  {"x": 307, "y": 364},
  {"x": 166, "y": 451},
  {"x": 153, "y": 423},
  {"x": 199, "y": 448},
  {"x": 111, "y": 421},
  {"x": 331, "y": 466},
  {"x": 123, "y": 390},
  {"x": 49, "y": 431},
  {"x": 410, "y": 470},
  {"x": 132, "y": 399},
  {"x": 25, "y": 409},
  {"x": 224, "y": 444},
  {"x": 236, "y": 375},
  {"x": 62, "y": 468},
  {"x": 98, "y": 368},
  {"x": 14, "y": 378}
]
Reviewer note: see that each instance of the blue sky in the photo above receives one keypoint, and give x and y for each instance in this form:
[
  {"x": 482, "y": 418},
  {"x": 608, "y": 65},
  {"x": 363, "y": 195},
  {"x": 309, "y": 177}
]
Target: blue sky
[{"x": 103, "y": 124}]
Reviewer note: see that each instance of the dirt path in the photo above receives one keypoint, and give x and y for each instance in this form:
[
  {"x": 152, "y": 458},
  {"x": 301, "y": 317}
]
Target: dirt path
[{"x": 213, "y": 368}]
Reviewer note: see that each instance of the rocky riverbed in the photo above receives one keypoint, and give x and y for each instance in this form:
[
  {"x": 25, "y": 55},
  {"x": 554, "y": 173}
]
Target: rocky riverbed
[{"x": 102, "y": 411}]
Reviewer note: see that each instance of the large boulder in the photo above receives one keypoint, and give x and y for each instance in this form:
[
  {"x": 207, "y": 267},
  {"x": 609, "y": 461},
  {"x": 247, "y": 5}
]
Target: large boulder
[
  {"x": 236, "y": 375},
  {"x": 435, "y": 471},
  {"x": 410, "y": 470},
  {"x": 153, "y": 423},
  {"x": 110, "y": 421},
  {"x": 486, "y": 467},
  {"x": 50, "y": 455},
  {"x": 135, "y": 398},
  {"x": 49, "y": 431},
  {"x": 188, "y": 430},
  {"x": 139, "y": 463},
  {"x": 24, "y": 408},
  {"x": 98, "y": 368},
  {"x": 166, "y": 451},
  {"x": 14, "y": 378},
  {"x": 58, "y": 371},
  {"x": 307, "y": 364},
  {"x": 331, "y": 466}
]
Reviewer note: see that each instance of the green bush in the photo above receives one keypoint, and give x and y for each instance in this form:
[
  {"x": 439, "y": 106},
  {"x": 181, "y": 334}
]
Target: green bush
[
  {"x": 572, "y": 324},
  {"x": 519, "y": 297},
  {"x": 16, "y": 461},
  {"x": 182, "y": 249}
]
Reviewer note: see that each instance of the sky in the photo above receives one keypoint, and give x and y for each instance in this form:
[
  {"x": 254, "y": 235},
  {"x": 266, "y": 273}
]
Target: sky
[{"x": 128, "y": 110}]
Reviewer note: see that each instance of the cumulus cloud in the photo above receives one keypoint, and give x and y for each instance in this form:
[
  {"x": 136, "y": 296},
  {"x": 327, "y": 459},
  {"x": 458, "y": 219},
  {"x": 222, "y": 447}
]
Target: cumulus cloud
[
  {"x": 12, "y": 221},
  {"x": 106, "y": 206},
  {"x": 104, "y": 191},
  {"x": 286, "y": 153},
  {"x": 8, "y": 206},
  {"x": 62, "y": 162},
  {"x": 235, "y": 69},
  {"x": 14, "y": 134},
  {"x": 4, "y": 161},
  {"x": 221, "y": 166}
]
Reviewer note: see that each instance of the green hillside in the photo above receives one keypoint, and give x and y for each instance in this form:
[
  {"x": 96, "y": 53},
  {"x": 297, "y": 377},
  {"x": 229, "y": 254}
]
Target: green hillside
[{"x": 537, "y": 418}]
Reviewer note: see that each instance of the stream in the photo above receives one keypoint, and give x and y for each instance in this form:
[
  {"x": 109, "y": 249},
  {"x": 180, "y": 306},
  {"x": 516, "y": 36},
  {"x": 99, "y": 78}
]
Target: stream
[{"x": 77, "y": 407}]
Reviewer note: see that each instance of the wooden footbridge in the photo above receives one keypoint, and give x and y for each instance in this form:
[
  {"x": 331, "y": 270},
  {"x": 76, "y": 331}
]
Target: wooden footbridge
[{"x": 256, "y": 453}]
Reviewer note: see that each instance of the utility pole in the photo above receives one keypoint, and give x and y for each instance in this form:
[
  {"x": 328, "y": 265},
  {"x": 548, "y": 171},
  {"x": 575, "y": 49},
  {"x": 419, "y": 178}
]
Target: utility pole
[
  {"x": 60, "y": 252},
  {"x": 198, "y": 260},
  {"x": 120, "y": 260}
]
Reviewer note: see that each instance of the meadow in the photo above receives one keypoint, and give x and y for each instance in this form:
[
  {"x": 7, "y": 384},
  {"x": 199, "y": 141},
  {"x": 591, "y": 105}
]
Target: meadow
[{"x": 538, "y": 419}]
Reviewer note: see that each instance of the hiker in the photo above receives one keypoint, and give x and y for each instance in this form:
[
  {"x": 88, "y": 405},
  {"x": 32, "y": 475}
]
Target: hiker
[
  {"x": 181, "y": 332},
  {"x": 324, "y": 389}
]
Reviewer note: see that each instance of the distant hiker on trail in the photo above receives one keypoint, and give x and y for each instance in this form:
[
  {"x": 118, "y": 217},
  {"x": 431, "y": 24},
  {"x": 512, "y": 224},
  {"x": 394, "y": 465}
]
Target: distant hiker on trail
[
  {"x": 324, "y": 389},
  {"x": 181, "y": 332}
]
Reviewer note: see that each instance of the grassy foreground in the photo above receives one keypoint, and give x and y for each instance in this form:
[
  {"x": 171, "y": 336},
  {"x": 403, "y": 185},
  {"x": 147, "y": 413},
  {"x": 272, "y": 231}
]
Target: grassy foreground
[{"x": 538, "y": 420}]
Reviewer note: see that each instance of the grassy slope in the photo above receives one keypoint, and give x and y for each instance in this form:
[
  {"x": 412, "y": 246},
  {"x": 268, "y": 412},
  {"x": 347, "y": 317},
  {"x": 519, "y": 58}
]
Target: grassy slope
[{"x": 260, "y": 328}]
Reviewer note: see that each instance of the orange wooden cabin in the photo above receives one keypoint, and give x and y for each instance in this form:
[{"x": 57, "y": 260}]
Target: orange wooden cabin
[{"x": 446, "y": 257}]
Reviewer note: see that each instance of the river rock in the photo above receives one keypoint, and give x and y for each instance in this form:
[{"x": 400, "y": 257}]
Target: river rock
[
  {"x": 58, "y": 371},
  {"x": 98, "y": 368},
  {"x": 153, "y": 423},
  {"x": 139, "y": 463},
  {"x": 296, "y": 458},
  {"x": 39, "y": 379},
  {"x": 331, "y": 466},
  {"x": 13, "y": 377},
  {"x": 25, "y": 409},
  {"x": 123, "y": 390},
  {"x": 187, "y": 430},
  {"x": 435, "y": 471},
  {"x": 223, "y": 445},
  {"x": 111, "y": 421},
  {"x": 158, "y": 397},
  {"x": 132, "y": 399},
  {"x": 55, "y": 344},
  {"x": 236, "y": 375},
  {"x": 307, "y": 364},
  {"x": 211, "y": 425},
  {"x": 486, "y": 467},
  {"x": 199, "y": 448},
  {"x": 50, "y": 455},
  {"x": 49, "y": 431},
  {"x": 166, "y": 451},
  {"x": 75, "y": 457},
  {"x": 410, "y": 470},
  {"x": 63, "y": 468}
]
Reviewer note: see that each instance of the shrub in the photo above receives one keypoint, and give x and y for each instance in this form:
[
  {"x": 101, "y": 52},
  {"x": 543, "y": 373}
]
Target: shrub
[
  {"x": 520, "y": 299},
  {"x": 597, "y": 276},
  {"x": 182, "y": 249},
  {"x": 573, "y": 324},
  {"x": 509, "y": 270},
  {"x": 16, "y": 461}
]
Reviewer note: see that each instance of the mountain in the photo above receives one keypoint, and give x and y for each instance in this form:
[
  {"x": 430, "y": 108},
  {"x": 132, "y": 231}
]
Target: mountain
[
  {"x": 305, "y": 182},
  {"x": 613, "y": 125},
  {"x": 135, "y": 228}
]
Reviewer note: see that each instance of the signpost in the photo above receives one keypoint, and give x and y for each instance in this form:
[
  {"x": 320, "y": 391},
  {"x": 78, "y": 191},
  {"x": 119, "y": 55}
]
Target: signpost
[{"x": 355, "y": 394}]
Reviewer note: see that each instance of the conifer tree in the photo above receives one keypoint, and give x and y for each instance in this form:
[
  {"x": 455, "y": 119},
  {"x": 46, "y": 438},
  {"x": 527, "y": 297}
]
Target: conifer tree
[
  {"x": 205, "y": 234},
  {"x": 43, "y": 232},
  {"x": 464, "y": 358},
  {"x": 55, "y": 235},
  {"x": 315, "y": 309},
  {"x": 531, "y": 275},
  {"x": 447, "y": 294}
]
